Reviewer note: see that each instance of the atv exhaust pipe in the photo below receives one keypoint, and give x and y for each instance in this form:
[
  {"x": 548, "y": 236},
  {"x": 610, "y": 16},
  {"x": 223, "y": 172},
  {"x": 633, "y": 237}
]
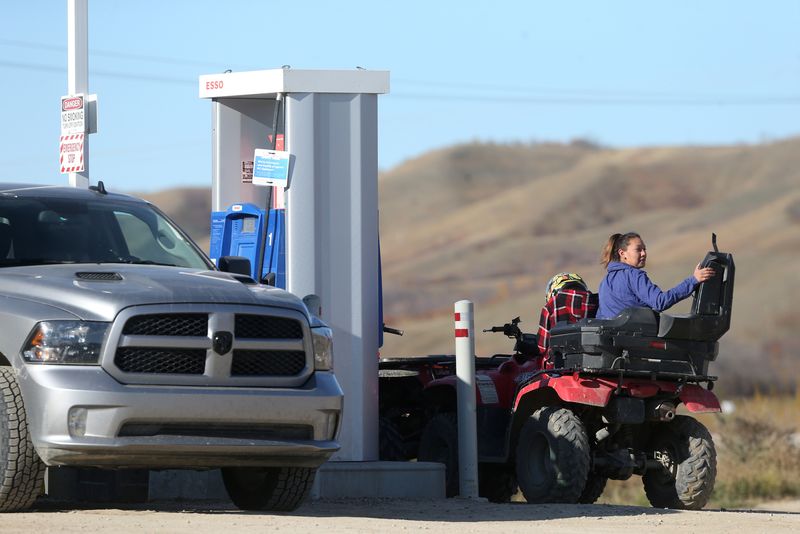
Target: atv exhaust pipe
[{"x": 661, "y": 411}]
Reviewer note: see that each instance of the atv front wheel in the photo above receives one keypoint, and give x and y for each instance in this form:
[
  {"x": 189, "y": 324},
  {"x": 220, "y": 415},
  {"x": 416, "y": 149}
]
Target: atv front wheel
[
  {"x": 439, "y": 443},
  {"x": 496, "y": 482},
  {"x": 552, "y": 456},
  {"x": 390, "y": 442},
  {"x": 275, "y": 489},
  {"x": 21, "y": 470},
  {"x": 688, "y": 465}
]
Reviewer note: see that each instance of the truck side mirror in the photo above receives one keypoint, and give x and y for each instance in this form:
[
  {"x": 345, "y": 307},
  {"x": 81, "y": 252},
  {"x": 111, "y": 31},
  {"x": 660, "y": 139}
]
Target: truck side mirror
[
  {"x": 235, "y": 265},
  {"x": 313, "y": 303}
]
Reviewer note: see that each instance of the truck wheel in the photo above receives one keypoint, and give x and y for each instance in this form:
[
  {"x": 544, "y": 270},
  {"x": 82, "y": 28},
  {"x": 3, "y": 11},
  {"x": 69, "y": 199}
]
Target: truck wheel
[
  {"x": 21, "y": 470},
  {"x": 275, "y": 489},
  {"x": 439, "y": 443},
  {"x": 390, "y": 441},
  {"x": 595, "y": 484},
  {"x": 552, "y": 456},
  {"x": 688, "y": 470}
]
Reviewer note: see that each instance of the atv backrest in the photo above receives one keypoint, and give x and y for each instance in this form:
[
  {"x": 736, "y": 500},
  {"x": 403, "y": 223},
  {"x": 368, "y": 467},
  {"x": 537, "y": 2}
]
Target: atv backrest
[{"x": 711, "y": 309}]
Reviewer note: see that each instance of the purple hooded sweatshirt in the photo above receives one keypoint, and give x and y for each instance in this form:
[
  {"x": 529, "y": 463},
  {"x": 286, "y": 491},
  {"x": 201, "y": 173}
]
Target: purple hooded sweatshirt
[{"x": 625, "y": 286}]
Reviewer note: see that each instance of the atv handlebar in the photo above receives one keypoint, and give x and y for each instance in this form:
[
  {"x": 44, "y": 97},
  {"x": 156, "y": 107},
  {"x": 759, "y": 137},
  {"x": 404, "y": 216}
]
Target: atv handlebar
[{"x": 509, "y": 329}]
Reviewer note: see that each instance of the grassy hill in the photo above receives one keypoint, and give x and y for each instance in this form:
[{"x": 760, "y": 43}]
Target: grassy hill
[{"x": 491, "y": 223}]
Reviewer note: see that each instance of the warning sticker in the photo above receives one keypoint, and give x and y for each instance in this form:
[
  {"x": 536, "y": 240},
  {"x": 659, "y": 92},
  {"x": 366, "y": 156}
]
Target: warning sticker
[
  {"x": 247, "y": 172},
  {"x": 71, "y": 153},
  {"x": 487, "y": 390}
]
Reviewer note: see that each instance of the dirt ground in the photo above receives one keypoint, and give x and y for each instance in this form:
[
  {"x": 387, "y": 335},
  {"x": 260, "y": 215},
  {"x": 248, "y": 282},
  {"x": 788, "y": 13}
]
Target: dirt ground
[{"x": 388, "y": 516}]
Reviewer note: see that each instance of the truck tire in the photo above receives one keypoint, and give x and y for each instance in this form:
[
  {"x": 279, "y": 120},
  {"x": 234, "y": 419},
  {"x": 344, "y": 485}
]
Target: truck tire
[
  {"x": 274, "y": 489},
  {"x": 21, "y": 470},
  {"x": 439, "y": 443},
  {"x": 686, "y": 477},
  {"x": 552, "y": 456}
]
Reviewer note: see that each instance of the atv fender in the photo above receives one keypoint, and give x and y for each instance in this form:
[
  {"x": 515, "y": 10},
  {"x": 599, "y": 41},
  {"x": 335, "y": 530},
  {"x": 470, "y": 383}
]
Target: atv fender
[
  {"x": 699, "y": 400},
  {"x": 569, "y": 388},
  {"x": 597, "y": 392}
]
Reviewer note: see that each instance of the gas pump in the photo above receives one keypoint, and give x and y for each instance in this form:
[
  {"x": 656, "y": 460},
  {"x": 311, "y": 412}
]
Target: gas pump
[{"x": 318, "y": 234}]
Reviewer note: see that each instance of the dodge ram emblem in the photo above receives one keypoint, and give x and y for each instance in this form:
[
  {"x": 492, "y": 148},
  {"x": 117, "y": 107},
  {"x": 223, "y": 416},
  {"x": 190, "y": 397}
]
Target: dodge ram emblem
[{"x": 222, "y": 343}]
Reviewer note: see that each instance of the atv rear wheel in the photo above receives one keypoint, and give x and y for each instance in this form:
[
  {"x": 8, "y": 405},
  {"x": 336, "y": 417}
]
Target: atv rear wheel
[
  {"x": 275, "y": 489},
  {"x": 21, "y": 469},
  {"x": 552, "y": 456},
  {"x": 688, "y": 470},
  {"x": 439, "y": 443}
]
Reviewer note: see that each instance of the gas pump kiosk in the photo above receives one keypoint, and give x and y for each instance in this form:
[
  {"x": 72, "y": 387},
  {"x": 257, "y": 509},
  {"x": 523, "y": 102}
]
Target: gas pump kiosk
[{"x": 329, "y": 206}]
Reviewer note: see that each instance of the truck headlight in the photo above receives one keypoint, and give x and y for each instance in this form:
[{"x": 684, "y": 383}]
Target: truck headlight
[
  {"x": 65, "y": 342},
  {"x": 322, "y": 337}
]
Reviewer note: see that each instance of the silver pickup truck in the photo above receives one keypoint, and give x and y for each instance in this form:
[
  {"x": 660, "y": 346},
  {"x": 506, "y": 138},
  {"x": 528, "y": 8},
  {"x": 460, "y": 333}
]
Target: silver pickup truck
[{"x": 122, "y": 346}]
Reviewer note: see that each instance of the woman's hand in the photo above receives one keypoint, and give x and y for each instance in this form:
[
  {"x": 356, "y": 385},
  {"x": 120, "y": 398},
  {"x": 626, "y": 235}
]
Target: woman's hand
[{"x": 703, "y": 274}]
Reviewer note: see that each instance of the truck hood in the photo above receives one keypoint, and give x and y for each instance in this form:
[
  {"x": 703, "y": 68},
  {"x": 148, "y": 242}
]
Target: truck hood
[{"x": 107, "y": 289}]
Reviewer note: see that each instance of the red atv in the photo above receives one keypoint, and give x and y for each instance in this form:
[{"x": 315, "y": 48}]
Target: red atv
[{"x": 600, "y": 405}]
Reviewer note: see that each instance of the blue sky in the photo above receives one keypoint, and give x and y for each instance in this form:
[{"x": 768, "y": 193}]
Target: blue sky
[{"x": 621, "y": 73}]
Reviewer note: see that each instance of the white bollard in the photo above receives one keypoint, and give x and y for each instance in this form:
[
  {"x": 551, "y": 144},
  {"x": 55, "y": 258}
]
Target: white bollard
[{"x": 465, "y": 375}]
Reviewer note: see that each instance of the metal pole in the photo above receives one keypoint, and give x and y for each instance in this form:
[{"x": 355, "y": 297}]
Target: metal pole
[
  {"x": 78, "y": 71},
  {"x": 465, "y": 375}
]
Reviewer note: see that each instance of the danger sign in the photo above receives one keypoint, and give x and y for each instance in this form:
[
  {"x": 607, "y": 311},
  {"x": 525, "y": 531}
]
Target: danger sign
[
  {"x": 71, "y": 153},
  {"x": 73, "y": 115}
]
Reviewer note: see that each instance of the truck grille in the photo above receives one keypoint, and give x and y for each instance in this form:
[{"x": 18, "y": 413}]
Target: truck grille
[
  {"x": 192, "y": 345},
  {"x": 168, "y": 361},
  {"x": 167, "y": 324},
  {"x": 260, "y": 326},
  {"x": 267, "y": 362}
]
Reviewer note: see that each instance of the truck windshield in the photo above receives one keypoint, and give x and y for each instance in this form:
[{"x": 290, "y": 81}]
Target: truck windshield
[{"x": 38, "y": 231}]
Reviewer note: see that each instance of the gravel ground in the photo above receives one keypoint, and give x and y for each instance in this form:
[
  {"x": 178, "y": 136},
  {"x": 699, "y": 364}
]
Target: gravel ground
[{"x": 384, "y": 516}]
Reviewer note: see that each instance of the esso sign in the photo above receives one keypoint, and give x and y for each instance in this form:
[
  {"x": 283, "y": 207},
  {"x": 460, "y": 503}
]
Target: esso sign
[{"x": 214, "y": 84}]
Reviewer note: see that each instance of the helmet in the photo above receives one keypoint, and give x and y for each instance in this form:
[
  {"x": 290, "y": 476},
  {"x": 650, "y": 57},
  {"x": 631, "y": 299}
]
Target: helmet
[{"x": 559, "y": 281}]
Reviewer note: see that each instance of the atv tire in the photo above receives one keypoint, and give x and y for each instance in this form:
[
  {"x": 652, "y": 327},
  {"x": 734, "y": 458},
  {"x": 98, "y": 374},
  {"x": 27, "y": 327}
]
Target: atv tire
[
  {"x": 689, "y": 465},
  {"x": 439, "y": 443},
  {"x": 274, "y": 489},
  {"x": 595, "y": 484},
  {"x": 21, "y": 469},
  {"x": 552, "y": 456},
  {"x": 496, "y": 482},
  {"x": 390, "y": 442}
]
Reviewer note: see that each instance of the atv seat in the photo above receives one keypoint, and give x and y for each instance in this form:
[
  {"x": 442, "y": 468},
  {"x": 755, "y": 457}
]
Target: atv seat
[{"x": 640, "y": 339}]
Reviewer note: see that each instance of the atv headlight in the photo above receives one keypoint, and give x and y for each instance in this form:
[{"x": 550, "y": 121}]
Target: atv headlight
[
  {"x": 322, "y": 337},
  {"x": 65, "y": 342}
]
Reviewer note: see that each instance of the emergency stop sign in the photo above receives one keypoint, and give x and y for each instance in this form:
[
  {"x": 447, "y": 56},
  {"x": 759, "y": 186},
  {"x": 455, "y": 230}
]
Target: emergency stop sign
[{"x": 71, "y": 153}]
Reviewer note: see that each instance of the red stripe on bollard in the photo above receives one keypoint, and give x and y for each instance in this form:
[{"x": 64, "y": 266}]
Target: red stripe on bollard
[
  {"x": 458, "y": 316},
  {"x": 462, "y": 332}
]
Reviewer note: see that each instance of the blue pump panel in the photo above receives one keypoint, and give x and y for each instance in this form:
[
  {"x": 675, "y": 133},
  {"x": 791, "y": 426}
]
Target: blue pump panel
[
  {"x": 275, "y": 253},
  {"x": 238, "y": 231}
]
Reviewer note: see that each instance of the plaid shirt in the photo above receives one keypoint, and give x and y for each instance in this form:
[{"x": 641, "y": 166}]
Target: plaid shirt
[{"x": 568, "y": 305}]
